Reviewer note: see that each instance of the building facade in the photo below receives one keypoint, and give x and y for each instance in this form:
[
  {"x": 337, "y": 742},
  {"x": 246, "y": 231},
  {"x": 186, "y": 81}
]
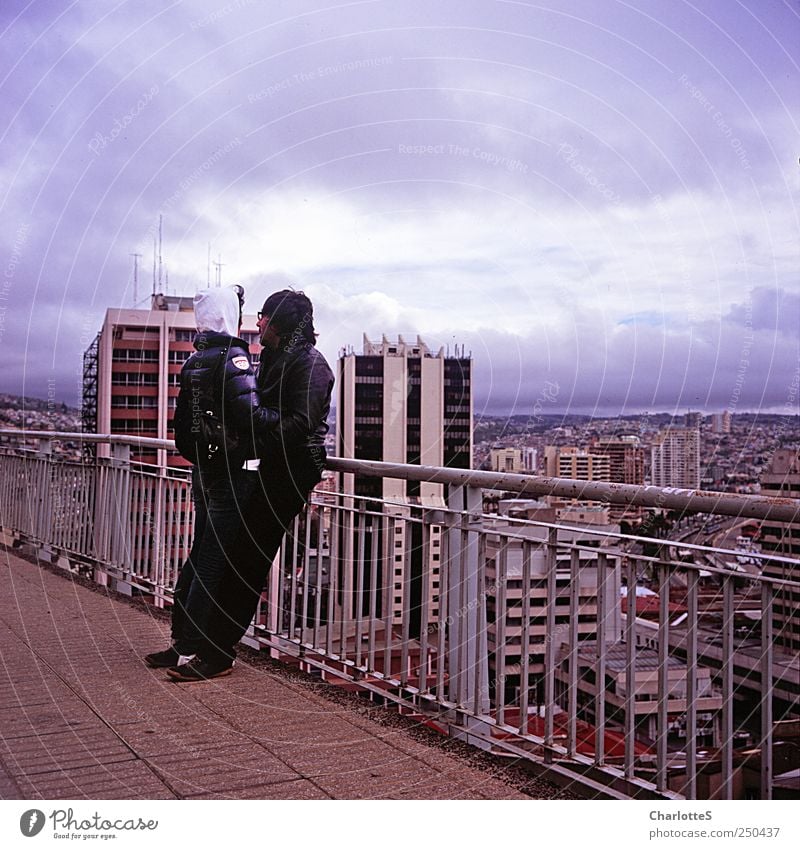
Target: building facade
[
  {"x": 675, "y": 458},
  {"x": 401, "y": 402},
  {"x": 781, "y": 479},
  {"x": 625, "y": 465}
]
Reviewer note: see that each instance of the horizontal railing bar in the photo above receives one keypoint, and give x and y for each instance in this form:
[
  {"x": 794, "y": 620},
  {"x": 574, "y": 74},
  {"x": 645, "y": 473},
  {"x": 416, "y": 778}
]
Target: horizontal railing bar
[
  {"x": 697, "y": 501},
  {"x": 65, "y": 436}
]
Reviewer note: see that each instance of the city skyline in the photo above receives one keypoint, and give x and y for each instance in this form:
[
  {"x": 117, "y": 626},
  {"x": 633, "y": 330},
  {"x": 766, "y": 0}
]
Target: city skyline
[{"x": 601, "y": 199}]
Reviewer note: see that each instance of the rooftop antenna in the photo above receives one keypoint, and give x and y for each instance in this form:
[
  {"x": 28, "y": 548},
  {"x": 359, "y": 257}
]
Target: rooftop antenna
[
  {"x": 160, "y": 264},
  {"x": 154, "y": 264},
  {"x": 136, "y": 258},
  {"x": 219, "y": 263}
]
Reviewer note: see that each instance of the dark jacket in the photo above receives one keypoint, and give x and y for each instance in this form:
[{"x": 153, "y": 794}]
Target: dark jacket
[
  {"x": 220, "y": 373},
  {"x": 297, "y": 382}
]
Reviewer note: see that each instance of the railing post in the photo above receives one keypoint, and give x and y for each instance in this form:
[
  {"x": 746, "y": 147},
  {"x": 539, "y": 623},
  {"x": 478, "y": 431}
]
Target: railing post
[
  {"x": 42, "y": 519},
  {"x": 158, "y": 528},
  {"x": 120, "y": 492},
  {"x": 466, "y": 617}
]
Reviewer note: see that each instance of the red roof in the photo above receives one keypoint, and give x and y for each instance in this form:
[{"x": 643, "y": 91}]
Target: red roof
[
  {"x": 647, "y": 606},
  {"x": 586, "y": 733}
]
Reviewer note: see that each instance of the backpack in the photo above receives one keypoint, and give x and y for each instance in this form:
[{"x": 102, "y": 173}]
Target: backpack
[{"x": 201, "y": 435}]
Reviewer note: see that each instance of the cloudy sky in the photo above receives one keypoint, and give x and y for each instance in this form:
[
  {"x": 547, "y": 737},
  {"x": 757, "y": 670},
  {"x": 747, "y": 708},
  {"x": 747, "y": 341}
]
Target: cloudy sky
[{"x": 598, "y": 195}]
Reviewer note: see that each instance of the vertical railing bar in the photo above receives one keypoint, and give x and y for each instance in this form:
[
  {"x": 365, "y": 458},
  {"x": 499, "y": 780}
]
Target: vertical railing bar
[
  {"x": 460, "y": 622},
  {"x": 630, "y": 668},
  {"x": 766, "y": 689},
  {"x": 333, "y": 573},
  {"x": 320, "y": 514},
  {"x": 378, "y": 535},
  {"x": 138, "y": 507},
  {"x": 481, "y": 637},
  {"x": 663, "y": 676},
  {"x": 348, "y": 523},
  {"x": 307, "y": 519},
  {"x": 600, "y": 663},
  {"x": 406, "y": 610},
  {"x": 525, "y": 639},
  {"x": 157, "y": 523},
  {"x": 56, "y": 523},
  {"x": 500, "y": 616},
  {"x": 101, "y": 514},
  {"x": 422, "y": 672},
  {"x": 284, "y": 627},
  {"x": 550, "y": 642},
  {"x": 444, "y": 584},
  {"x": 388, "y": 596},
  {"x": 170, "y": 537},
  {"x": 574, "y": 641},
  {"x": 690, "y": 789},
  {"x": 361, "y": 545},
  {"x": 293, "y": 583},
  {"x": 727, "y": 687}
]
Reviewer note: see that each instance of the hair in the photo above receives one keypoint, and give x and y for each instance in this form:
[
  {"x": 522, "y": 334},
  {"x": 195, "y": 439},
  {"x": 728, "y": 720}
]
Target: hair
[{"x": 291, "y": 315}]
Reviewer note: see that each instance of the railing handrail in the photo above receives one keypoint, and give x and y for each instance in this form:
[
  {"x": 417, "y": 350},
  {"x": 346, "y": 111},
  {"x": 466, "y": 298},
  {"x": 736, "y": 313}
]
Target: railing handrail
[{"x": 697, "y": 501}]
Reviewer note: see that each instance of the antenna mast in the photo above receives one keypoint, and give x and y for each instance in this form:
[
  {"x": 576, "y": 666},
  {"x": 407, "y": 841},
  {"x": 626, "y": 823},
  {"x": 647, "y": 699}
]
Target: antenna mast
[
  {"x": 219, "y": 263},
  {"x": 136, "y": 258},
  {"x": 160, "y": 264}
]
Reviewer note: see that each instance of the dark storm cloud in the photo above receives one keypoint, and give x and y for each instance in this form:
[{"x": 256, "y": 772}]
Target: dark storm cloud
[{"x": 618, "y": 175}]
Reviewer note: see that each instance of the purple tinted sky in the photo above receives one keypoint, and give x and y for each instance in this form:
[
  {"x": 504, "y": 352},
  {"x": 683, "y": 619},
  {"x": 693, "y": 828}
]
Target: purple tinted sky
[{"x": 601, "y": 195}]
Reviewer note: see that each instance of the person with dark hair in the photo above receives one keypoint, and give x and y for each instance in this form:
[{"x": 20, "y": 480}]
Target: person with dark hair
[
  {"x": 217, "y": 414},
  {"x": 293, "y": 378}
]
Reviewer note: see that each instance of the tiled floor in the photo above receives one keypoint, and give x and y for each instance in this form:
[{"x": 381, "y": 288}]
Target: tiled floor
[{"x": 82, "y": 717}]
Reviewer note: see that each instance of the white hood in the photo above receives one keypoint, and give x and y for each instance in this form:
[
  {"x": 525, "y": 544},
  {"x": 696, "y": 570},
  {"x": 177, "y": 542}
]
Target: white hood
[{"x": 217, "y": 311}]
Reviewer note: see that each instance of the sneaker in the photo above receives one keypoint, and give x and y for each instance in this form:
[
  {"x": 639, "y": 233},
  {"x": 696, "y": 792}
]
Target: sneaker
[
  {"x": 165, "y": 659},
  {"x": 198, "y": 670}
]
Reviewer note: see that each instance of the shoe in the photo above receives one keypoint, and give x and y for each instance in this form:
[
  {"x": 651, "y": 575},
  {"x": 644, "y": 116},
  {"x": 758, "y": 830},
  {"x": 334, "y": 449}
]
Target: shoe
[
  {"x": 198, "y": 670},
  {"x": 165, "y": 659}
]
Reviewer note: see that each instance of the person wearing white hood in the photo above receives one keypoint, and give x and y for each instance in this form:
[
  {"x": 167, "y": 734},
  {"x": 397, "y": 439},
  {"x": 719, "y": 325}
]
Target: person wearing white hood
[{"x": 217, "y": 379}]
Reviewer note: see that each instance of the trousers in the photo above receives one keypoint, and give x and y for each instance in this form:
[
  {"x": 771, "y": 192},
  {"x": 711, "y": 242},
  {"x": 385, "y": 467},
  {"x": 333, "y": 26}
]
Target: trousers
[
  {"x": 270, "y": 511},
  {"x": 220, "y": 499}
]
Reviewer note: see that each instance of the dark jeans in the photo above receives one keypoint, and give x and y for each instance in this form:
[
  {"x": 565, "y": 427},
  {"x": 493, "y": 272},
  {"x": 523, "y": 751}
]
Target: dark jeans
[
  {"x": 274, "y": 503},
  {"x": 220, "y": 499}
]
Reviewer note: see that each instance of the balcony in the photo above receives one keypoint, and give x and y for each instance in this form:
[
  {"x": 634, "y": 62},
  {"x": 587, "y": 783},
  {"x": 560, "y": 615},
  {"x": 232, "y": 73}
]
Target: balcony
[{"x": 435, "y": 626}]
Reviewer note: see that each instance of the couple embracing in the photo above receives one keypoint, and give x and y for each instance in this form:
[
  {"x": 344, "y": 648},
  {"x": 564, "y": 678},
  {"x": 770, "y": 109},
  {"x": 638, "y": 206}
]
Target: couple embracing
[{"x": 256, "y": 441}]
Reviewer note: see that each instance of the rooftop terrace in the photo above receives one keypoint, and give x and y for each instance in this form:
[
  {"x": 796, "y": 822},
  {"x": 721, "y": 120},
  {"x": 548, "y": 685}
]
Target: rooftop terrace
[{"x": 81, "y": 717}]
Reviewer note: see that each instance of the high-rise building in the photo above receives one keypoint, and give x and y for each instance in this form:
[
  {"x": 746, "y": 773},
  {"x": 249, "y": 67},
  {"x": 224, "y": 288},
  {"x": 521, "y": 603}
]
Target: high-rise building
[
  {"x": 675, "y": 458},
  {"x": 626, "y": 465},
  {"x": 401, "y": 402},
  {"x": 693, "y": 419},
  {"x": 505, "y": 459},
  {"x": 568, "y": 461},
  {"x": 506, "y": 590},
  {"x": 131, "y": 374},
  {"x": 512, "y": 460},
  {"x": 781, "y": 479},
  {"x": 721, "y": 422}
]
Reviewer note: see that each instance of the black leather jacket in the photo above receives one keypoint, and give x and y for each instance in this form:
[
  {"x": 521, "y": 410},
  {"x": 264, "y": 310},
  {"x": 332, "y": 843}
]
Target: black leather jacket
[
  {"x": 297, "y": 381},
  {"x": 221, "y": 369}
]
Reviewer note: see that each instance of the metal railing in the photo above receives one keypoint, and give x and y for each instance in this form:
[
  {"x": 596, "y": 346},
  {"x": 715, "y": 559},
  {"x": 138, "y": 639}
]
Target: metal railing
[{"x": 504, "y": 631}]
